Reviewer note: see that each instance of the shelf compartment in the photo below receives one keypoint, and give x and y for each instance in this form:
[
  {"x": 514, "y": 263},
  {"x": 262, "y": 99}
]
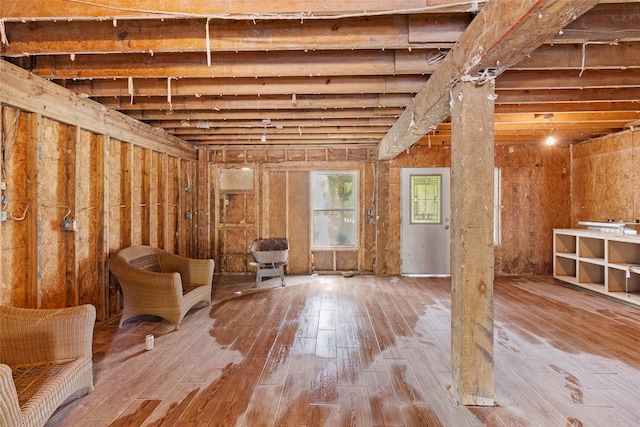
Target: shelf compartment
[
  {"x": 590, "y": 273},
  {"x": 618, "y": 282},
  {"x": 565, "y": 244},
  {"x": 565, "y": 267},
  {"x": 623, "y": 253},
  {"x": 590, "y": 247}
]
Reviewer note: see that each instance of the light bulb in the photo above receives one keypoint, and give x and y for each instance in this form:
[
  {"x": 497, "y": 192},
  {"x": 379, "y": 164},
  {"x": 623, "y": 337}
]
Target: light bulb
[{"x": 551, "y": 140}]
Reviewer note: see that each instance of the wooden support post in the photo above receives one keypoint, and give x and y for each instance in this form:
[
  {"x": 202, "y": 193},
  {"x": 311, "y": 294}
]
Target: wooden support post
[
  {"x": 202, "y": 216},
  {"x": 126, "y": 221},
  {"x": 472, "y": 257},
  {"x": 102, "y": 225},
  {"x": 178, "y": 187},
  {"x": 146, "y": 200},
  {"x": 163, "y": 214},
  {"x": 34, "y": 271},
  {"x": 73, "y": 140}
]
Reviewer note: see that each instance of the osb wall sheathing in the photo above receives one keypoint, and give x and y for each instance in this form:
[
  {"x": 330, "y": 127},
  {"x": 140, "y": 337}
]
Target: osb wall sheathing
[
  {"x": 278, "y": 206},
  {"x": 535, "y": 188},
  {"x": 15, "y": 288},
  {"x": 606, "y": 179},
  {"x": 535, "y": 198},
  {"x": 89, "y": 210},
  {"x": 118, "y": 193}
]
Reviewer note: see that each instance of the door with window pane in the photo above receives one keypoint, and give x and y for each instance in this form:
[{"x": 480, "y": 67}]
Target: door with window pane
[{"x": 425, "y": 221}]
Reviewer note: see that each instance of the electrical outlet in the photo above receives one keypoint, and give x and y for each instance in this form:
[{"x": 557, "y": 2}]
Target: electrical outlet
[
  {"x": 3, "y": 186},
  {"x": 3, "y": 216},
  {"x": 70, "y": 225}
]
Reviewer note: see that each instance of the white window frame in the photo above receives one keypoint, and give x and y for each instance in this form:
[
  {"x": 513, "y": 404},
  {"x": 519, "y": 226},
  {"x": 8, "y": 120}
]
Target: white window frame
[{"x": 354, "y": 209}]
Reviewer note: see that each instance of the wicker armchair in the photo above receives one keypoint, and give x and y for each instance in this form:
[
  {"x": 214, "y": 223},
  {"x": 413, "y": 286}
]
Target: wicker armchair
[
  {"x": 159, "y": 283},
  {"x": 45, "y": 357}
]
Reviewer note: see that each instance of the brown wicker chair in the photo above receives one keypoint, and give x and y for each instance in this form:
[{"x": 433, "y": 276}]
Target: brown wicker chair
[
  {"x": 45, "y": 357},
  {"x": 160, "y": 283}
]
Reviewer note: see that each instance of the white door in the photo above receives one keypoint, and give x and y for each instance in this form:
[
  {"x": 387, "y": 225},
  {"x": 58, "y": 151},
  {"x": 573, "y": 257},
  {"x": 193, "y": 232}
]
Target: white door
[{"x": 425, "y": 221}]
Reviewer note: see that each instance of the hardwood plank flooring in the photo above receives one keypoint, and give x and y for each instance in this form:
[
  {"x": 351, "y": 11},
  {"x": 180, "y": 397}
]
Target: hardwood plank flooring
[{"x": 364, "y": 351}]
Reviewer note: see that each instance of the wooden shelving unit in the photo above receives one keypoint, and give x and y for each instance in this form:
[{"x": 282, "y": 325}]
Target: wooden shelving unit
[{"x": 598, "y": 261}]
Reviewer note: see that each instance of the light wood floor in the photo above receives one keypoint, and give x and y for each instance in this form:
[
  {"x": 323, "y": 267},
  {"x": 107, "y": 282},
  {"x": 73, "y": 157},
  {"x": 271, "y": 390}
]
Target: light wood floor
[{"x": 364, "y": 351}]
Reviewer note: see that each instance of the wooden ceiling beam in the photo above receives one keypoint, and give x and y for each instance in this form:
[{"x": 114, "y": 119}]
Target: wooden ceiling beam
[
  {"x": 249, "y": 86},
  {"x": 166, "y": 114},
  {"x": 212, "y": 124},
  {"x": 316, "y": 139},
  {"x": 552, "y": 107},
  {"x": 568, "y": 79},
  {"x": 227, "y": 9},
  {"x": 612, "y": 55},
  {"x": 271, "y": 130},
  {"x": 186, "y": 35},
  {"x": 241, "y": 64},
  {"x": 497, "y": 38},
  {"x": 605, "y": 22},
  {"x": 568, "y": 96},
  {"x": 250, "y": 102}
]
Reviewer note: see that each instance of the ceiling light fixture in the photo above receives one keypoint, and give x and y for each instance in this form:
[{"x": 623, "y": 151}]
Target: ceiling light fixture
[{"x": 550, "y": 139}]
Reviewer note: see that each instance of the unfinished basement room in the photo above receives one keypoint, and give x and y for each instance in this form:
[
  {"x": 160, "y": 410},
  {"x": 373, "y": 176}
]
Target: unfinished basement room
[{"x": 305, "y": 213}]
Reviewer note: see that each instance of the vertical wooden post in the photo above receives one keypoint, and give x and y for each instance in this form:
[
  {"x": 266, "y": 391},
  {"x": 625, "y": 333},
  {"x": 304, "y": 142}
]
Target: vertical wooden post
[
  {"x": 179, "y": 236},
  {"x": 102, "y": 225},
  {"x": 472, "y": 257},
  {"x": 163, "y": 215},
  {"x": 146, "y": 200},
  {"x": 126, "y": 223},
  {"x": 34, "y": 272},
  {"x": 73, "y": 140},
  {"x": 202, "y": 215}
]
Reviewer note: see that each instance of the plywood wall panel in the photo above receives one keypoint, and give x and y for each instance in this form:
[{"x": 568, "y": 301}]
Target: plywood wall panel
[
  {"x": 256, "y": 155},
  {"x": 317, "y": 155},
  {"x": 14, "y": 270},
  {"x": 276, "y": 155},
  {"x": 346, "y": 260},
  {"x": 337, "y": 154},
  {"x": 603, "y": 172},
  {"x": 298, "y": 221},
  {"x": 163, "y": 200},
  {"x": 88, "y": 208},
  {"x": 138, "y": 207},
  {"x": 368, "y": 183},
  {"x": 535, "y": 188},
  {"x": 635, "y": 183},
  {"x": 14, "y": 287},
  {"x": 173, "y": 204},
  {"x": 57, "y": 204},
  {"x": 154, "y": 191},
  {"x": 392, "y": 250},
  {"x": 115, "y": 178},
  {"x": 54, "y": 278},
  {"x": 382, "y": 218},
  {"x": 323, "y": 261},
  {"x": 296, "y": 154},
  {"x": 275, "y": 204}
]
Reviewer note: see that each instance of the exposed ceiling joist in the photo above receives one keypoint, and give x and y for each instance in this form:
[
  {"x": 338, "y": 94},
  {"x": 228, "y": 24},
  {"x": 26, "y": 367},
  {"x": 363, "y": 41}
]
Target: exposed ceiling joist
[
  {"x": 496, "y": 39},
  {"x": 304, "y": 64}
]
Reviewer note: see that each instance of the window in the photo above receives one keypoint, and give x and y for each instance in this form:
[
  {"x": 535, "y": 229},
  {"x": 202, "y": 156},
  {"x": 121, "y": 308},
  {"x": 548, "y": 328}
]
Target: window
[
  {"x": 334, "y": 209},
  {"x": 425, "y": 199}
]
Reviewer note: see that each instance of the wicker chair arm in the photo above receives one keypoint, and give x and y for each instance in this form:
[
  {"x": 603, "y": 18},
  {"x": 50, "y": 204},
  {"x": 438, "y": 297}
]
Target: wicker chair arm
[
  {"x": 149, "y": 286},
  {"x": 193, "y": 271},
  {"x": 9, "y": 407},
  {"x": 37, "y": 335}
]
